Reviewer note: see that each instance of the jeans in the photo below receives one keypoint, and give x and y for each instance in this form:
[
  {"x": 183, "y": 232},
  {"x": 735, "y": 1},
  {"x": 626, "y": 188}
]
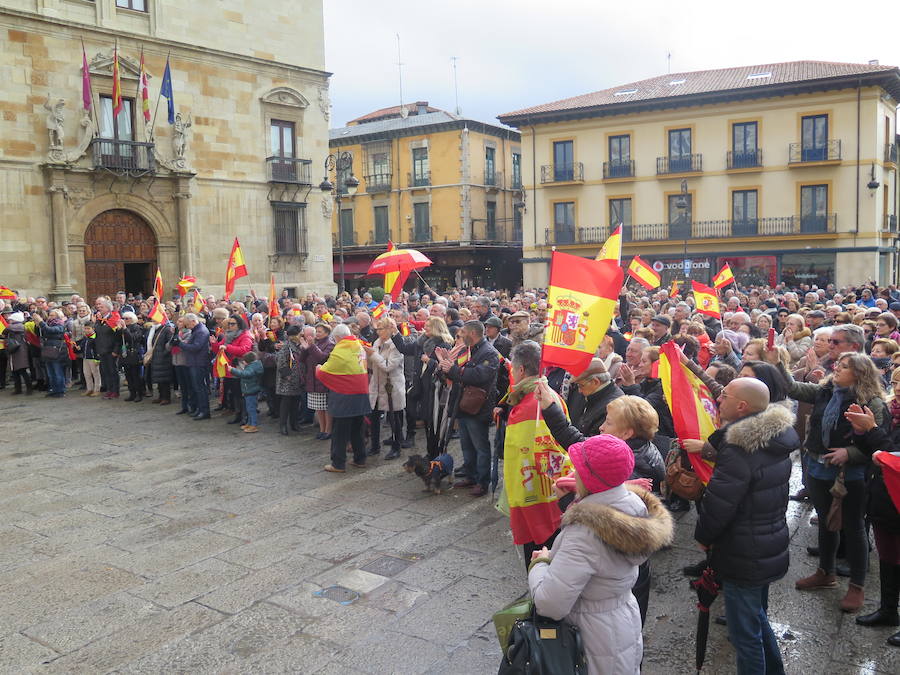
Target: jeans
[
  {"x": 344, "y": 430},
  {"x": 250, "y": 401},
  {"x": 476, "y": 449},
  {"x": 755, "y": 646},
  {"x": 109, "y": 373},
  {"x": 200, "y": 388},
  {"x": 183, "y": 377},
  {"x": 56, "y": 373},
  {"x": 853, "y": 511}
]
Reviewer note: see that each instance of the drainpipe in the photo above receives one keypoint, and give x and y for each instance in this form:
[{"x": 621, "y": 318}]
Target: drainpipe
[
  {"x": 858, "y": 105},
  {"x": 534, "y": 185}
]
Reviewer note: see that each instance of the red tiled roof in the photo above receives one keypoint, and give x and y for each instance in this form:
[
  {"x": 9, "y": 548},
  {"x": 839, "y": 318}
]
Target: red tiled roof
[
  {"x": 393, "y": 111},
  {"x": 676, "y": 85}
]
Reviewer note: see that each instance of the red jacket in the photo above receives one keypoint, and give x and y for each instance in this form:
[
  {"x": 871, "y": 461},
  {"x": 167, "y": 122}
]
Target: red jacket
[{"x": 242, "y": 344}]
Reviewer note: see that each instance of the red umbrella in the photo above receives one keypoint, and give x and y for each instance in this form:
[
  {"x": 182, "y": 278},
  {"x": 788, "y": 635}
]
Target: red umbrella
[{"x": 396, "y": 264}]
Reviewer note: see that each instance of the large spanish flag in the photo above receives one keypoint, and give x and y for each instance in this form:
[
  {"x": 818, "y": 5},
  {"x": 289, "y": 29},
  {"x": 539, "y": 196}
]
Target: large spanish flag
[
  {"x": 724, "y": 277},
  {"x": 612, "y": 249},
  {"x": 694, "y": 411},
  {"x": 581, "y": 299},
  {"x": 345, "y": 370},
  {"x": 705, "y": 300},
  {"x": 641, "y": 272},
  {"x": 236, "y": 268},
  {"x": 532, "y": 461}
]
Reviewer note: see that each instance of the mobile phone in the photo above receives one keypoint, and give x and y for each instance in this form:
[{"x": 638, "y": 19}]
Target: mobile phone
[{"x": 770, "y": 343}]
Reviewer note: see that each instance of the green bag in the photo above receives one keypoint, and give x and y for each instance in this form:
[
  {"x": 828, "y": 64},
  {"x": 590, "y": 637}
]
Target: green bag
[{"x": 506, "y": 618}]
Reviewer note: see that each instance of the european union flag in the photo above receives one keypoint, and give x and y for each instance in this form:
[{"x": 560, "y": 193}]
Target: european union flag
[{"x": 166, "y": 90}]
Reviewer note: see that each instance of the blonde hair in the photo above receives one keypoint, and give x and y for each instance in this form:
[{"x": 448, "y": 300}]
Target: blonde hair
[
  {"x": 890, "y": 346},
  {"x": 637, "y": 414},
  {"x": 435, "y": 326},
  {"x": 868, "y": 380},
  {"x": 385, "y": 322}
]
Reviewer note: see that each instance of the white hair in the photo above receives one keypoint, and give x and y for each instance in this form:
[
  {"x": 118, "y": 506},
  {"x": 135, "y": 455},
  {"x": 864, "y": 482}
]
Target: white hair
[
  {"x": 129, "y": 315},
  {"x": 340, "y": 331},
  {"x": 823, "y": 330}
]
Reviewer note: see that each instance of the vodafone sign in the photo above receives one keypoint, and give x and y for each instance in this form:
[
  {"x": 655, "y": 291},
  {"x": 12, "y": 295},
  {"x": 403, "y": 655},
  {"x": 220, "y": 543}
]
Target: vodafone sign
[{"x": 699, "y": 264}]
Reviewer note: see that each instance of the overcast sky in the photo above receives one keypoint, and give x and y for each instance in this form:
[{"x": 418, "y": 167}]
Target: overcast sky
[{"x": 513, "y": 55}]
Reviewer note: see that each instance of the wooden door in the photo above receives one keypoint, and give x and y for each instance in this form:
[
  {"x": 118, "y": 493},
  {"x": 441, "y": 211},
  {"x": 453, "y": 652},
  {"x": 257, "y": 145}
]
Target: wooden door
[{"x": 112, "y": 239}]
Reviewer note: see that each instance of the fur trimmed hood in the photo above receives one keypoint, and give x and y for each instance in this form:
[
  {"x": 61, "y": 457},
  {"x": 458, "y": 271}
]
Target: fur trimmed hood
[
  {"x": 631, "y": 535},
  {"x": 757, "y": 431}
]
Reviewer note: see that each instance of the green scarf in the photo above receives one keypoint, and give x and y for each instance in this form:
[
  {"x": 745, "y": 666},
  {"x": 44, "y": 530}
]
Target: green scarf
[{"x": 521, "y": 389}]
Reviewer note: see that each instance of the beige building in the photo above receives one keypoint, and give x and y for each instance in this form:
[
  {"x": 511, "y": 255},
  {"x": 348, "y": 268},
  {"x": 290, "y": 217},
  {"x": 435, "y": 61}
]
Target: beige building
[
  {"x": 93, "y": 202},
  {"x": 786, "y": 171}
]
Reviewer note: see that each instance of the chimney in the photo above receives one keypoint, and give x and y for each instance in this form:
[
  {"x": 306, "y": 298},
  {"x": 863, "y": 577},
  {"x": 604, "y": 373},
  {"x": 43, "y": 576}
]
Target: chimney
[
  {"x": 873, "y": 62},
  {"x": 421, "y": 107}
]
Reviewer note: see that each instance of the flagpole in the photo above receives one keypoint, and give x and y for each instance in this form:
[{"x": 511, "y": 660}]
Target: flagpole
[{"x": 156, "y": 109}]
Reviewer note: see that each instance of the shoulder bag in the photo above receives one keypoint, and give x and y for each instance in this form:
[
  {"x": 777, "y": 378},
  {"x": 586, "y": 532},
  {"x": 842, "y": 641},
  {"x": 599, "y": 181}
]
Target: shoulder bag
[
  {"x": 680, "y": 477},
  {"x": 541, "y": 646},
  {"x": 148, "y": 357}
]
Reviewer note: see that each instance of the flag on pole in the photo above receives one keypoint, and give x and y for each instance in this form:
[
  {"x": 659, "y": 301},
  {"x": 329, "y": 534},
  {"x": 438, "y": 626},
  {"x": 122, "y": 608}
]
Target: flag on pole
[
  {"x": 641, "y": 272},
  {"x": 158, "y": 285},
  {"x": 116, "y": 84},
  {"x": 612, "y": 249},
  {"x": 724, "y": 277},
  {"x": 185, "y": 284},
  {"x": 7, "y": 294},
  {"x": 581, "y": 298},
  {"x": 165, "y": 89},
  {"x": 694, "y": 411},
  {"x": 144, "y": 90},
  {"x": 345, "y": 370},
  {"x": 197, "y": 305},
  {"x": 157, "y": 315},
  {"x": 705, "y": 300},
  {"x": 236, "y": 268},
  {"x": 273, "y": 301},
  {"x": 85, "y": 80},
  {"x": 220, "y": 367},
  {"x": 674, "y": 290},
  {"x": 890, "y": 470}
]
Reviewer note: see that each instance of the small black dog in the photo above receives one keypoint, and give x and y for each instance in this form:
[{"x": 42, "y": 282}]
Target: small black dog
[{"x": 432, "y": 472}]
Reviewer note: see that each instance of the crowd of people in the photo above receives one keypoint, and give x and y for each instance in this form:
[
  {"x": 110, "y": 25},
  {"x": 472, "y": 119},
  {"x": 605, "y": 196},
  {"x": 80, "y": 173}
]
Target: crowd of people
[{"x": 809, "y": 369}]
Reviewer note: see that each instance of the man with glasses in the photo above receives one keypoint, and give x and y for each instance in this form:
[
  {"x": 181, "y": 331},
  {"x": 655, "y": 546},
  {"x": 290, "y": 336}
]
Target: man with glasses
[
  {"x": 596, "y": 390},
  {"x": 845, "y": 338}
]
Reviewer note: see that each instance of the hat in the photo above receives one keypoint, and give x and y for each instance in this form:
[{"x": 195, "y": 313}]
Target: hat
[
  {"x": 596, "y": 367},
  {"x": 816, "y": 314},
  {"x": 663, "y": 319},
  {"x": 894, "y": 306},
  {"x": 493, "y": 321},
  {"x": 17, "y": 317},
  {"x": 521, "y": 314},
  {"x": 602, "y": 462}
]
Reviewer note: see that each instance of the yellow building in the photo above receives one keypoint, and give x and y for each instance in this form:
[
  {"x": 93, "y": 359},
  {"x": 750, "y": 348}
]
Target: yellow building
[
  {"x": 93, "y": 202},
  {"x": 789, "y": 172},
  {"x": 436, "y": 182}
]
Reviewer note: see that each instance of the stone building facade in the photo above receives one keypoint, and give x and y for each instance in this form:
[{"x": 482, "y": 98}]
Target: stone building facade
[{"x": 93, "y": 202}]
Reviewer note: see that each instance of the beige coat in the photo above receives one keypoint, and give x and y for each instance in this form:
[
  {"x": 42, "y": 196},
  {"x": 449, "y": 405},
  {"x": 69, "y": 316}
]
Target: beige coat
[{"x": 386, "y": 363}]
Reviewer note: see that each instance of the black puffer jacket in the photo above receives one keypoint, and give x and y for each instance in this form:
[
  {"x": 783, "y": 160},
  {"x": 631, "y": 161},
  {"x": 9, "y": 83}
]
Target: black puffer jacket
[
  {"x": 651, "y": 390},
  {"x": 880, "y": 509},
  {"x": 742, "y": 516}
]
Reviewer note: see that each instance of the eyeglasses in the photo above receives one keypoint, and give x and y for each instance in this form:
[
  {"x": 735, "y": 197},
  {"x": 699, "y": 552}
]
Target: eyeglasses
[{"x": 832, "y": 341}]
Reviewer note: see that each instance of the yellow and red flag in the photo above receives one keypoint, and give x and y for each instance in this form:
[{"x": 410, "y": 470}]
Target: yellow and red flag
[
  {"x": 157, "y": 314},
  {"x": 158, "y": 285},
  {"x": 404, "y": 329},
  {"x": 378, "y": 310},
  {"x": 7, "y": 294},
  {"x": 890, "y": 468},
  {"x": 345, "y": 370},
  {"x": 532, "y": 462},
  {"x": 674, "y": 290},
  {"x": 705, "y": 300},
  {"x": 581, "y": 298},
  {"x": 220, "y": 367},
  {"x": 116, "y": 83},
  {"x": 641, "y": 272},
  {"x": 724, "y": 277},
  {"x": 197, "y": 305},
  {"x": 144, "y": 90},
  {"x": 273, "y": 301},
  {"x": 236, "y": 268},
  {"x": 612, "y": 249},
  {"x": 694, "y": 410},
  {"x": 185, "y": 284},
  {"x": 3, "y": 323}
]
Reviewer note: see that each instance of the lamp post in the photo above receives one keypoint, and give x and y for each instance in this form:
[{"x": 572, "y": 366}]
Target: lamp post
[
  {"x": 681, "y": 203},
  {"x": 341, "y": 163}
]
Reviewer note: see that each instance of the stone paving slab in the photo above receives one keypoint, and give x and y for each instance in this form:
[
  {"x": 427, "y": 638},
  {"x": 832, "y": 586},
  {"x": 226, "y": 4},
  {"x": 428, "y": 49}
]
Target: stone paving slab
[{"x": 202, "y": 551}]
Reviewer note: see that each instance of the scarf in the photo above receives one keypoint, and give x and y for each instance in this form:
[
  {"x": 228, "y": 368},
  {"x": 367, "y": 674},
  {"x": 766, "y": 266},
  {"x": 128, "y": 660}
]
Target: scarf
[
  {"x": 832, "y": 414},
  {"x": 895, "y": 413},
  {"x": 521, "y": 389},
  {"x": 230, "y": 335}
]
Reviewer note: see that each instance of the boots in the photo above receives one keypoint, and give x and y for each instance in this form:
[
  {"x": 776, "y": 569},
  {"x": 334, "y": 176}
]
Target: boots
[
  {"x": 283, "y": 426},
  {"x": 854, "y": 599},
  {"x": 815, "y": 581},
  {"x": 409, "y": 441},
  {"x": 886, "y": 614}
]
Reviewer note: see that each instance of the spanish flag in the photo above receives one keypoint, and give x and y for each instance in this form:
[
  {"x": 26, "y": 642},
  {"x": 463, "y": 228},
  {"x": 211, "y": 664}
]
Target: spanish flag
[
  {"x": 158, "y": 285},
  {"x": 705, "y": 300},
  {"x": 693, "y": 409},
  {"x": 581, "y": 299},
  {"x": 345, "y": 370},
  {"x": 273, "y": 301},
  {"x": 404, "y": 329},
  {"x": 197, "y": 305},
  {"x": 7, "y": 294},
  {"x": 612, "y": 249},
  {"x": 236, "y": 268},
  {"x": 144, "y": 90},
  {"x": 890, "y": 469},
  {"x": 116, "y": 83},
  {"x": 220, "y": 367},
  {"x": 674, "y": 290},
  {"x": 157, "y": 315},
  {"x": 641, "y": 272},
  {"x": 724, "y": 277},
  {"x": 185, "y": 284},
  {"x": 378, "y": 311}
]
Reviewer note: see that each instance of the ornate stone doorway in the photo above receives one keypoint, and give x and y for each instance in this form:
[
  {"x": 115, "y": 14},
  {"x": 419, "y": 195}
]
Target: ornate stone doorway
[{"x": 119, "y": 254}]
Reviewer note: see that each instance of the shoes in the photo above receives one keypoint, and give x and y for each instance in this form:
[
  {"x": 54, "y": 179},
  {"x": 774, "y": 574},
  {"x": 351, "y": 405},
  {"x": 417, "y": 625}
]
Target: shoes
[
  {"x": 130, "y": 398},
  {"x": 358, "y": 466},
  {"x": 184, "y": 412},
  {"x": 332, "y": 469},
  {"x": 138, "y": 399},
  {"x": 801, "y": 496},
  {"x": 894, "y": 640},
  {"x": 374, "y": 452},
  {"x": 393, "y": 454},
  {"x": 814, "y": 520},
  {"x": 202, "y": 416},
  {"x": 408, "y": 442},
  {"x": 218, "y": 408},
  {"x": 157, "y": 401},
  {"x": 813, "y": 551},
  {"x": 854, "y": 599},
  {"x": 880, "y": 617},
  {"x": 114, "y": 394},
  {"x": 459, "y": 473},
  {"x": 250, "y": 430},
  {"x": 325, "y": 437},
  {"x": 464, "y": 483},
  {"x": 284, "y": 430},
  {"x": 165, "y": 401},
  {"x": 694, "y": 570},
  {"x": 721, "y": 620},
  {"x": 88, "y": 393},
  {"x": 243, "y": 426},
  {"x": 478, "y": 491},
  {"x": 815, "y": 581}
]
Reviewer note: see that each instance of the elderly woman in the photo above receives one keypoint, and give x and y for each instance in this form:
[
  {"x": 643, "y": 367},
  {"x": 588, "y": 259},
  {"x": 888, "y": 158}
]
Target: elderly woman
[
  {"x": 387, "y": 388},
  {"x": 315, "y": 353},
  {"x": 54, "y": 354},
  {"x": 796, "y": 338},
  {"x": 160, "y": 366},
  {"x": 650, "y": 388},
  {"x": 268, "y": 346},
  {"x": 234, "y": 343},
  {"x": 77, "y": 323},
  {"x": 289, "y": 376},
  {"x": 606, "y": 535},
  {"x": 347, "y": 410},
  {"x": 831, "y": 452}
]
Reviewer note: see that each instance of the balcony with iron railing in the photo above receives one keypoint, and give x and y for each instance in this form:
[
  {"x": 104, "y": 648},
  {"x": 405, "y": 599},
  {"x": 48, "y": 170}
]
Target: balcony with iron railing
[
  {"x": 562, "y": 173},
  {"x": 493, "y": 180},
  {"x": 702, "y": 229},
  {"x": 890, "y": 153},
  {"x": 890, "y": 222},
  {"x": 289, "y": 170},
  {"x": 418, "y": 179},
  {"x": 378, "y": 182},
  {"x": 744, "y": 159},
  {"x": 680, "y": 164},
  {"x": 419, "y": 234},
  {"x": 800, "y": 153},
  {"x": 496, "y": 233},
  {"x": 349, "y": 239},
  {"x": 129, "y": 157},
  {"x": 623, "y": 168}
]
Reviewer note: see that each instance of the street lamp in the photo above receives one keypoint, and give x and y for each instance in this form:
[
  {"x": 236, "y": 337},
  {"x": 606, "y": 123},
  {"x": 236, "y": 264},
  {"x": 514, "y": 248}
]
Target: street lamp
[
  {"x": 344, "y": 181},
  {"x": 681, "y": 203}
]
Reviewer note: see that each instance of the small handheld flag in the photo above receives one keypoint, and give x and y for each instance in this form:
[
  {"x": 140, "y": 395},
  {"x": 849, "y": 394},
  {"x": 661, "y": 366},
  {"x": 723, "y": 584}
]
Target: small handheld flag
[
  {"x": 724, "y": 277},
  {"x": 185, "y": 284},
  {"x": 236, "y": 268},
  {"x": 641, "y": 272},
  {"x": 273, "y": 301},
  {"x": 705, "y": 300},
  {"x": 157, "y": 315},
  {"x": 220, "y": 367},
  {"x": 612, "y": 249},
  {"x": 158, "y": 285},
  {"x": 197, "y": 305},
  {"x": 378, "y": 311},
  {"x": 674, "y": 290},
  {"x": 7, "y": 294}
]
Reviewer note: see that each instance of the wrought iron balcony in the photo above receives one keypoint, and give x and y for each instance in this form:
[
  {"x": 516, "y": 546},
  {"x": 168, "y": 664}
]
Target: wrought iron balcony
[
  {"x": 289, "y": 170},
  {"x": 493, "y": 180},
  {"x": 420, "y": 233},
  {"x": 418, "y": 179},
  {"x": 890, "y": 222},
  {"x": 516, "y": 182},
  {"x": 498, "y": 234},
  {"x": 562, "y": 173},
  {"x": 830, "y": 151},
  {"x": 619, "y": 169},
  {"x": 129, "y": 157},
  {"x": 349, "y": 239},
  {"x": 890, "y": 153},
  {"x": 745, "y": 159},
  {"x": 682, "y": 164},
  {"x": 378, "y": 182}
]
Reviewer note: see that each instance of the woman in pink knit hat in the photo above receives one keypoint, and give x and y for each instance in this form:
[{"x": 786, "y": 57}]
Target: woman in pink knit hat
[{"x": 587, "y": 576}]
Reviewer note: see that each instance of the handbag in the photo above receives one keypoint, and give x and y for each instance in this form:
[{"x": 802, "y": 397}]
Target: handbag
[
  {"x": 472, "y": 399},
  {"x": 834, "y": 521},
  {"x": 541, "y": 646},
  {"x": 505, "y": 619},
  {"x": 680, "y": 478},
  {"x": 148, "y": 357},
  {"x": 50, "y": 352}
]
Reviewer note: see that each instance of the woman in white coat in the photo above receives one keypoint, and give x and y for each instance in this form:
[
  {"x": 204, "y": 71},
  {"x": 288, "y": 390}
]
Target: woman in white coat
[
  {"x": 587, "y": 576},
  {"x": 387, "y": 388}
]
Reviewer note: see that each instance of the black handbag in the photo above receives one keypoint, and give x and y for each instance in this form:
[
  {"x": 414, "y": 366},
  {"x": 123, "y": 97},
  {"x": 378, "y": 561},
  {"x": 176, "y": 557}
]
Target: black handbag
[{"x": 542, "y": 646}]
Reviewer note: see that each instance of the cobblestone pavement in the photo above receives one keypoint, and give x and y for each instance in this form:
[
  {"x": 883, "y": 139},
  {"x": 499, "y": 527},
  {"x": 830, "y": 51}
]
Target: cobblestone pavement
[{"x": 134, "y": 540}]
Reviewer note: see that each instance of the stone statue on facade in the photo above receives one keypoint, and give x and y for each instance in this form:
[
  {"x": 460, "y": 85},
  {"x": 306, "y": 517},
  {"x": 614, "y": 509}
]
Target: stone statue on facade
[
  {"x": 55, "y": 121},
  {"x": 327, "y": 206},
  {"x": 179, "y": 135}
]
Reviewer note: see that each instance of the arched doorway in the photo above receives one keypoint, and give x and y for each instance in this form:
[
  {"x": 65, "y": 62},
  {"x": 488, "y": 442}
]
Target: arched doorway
[{"x": 119, "y": 254}]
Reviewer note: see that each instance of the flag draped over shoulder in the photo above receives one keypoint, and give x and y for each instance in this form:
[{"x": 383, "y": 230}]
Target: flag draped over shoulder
[
  {"x": 706, "y": 300},
  {"x": 236, "y": 268},
  {"x": 612, "y": 249},
  {"x": 345, "y": 370},
  {"x": 581, "y": 300},
  {"x": 641, "y": 272},
  {"x": 532, "y": 461},
  {"x": 890, "y": 469},
  {"x": 694, "y": 411}
]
